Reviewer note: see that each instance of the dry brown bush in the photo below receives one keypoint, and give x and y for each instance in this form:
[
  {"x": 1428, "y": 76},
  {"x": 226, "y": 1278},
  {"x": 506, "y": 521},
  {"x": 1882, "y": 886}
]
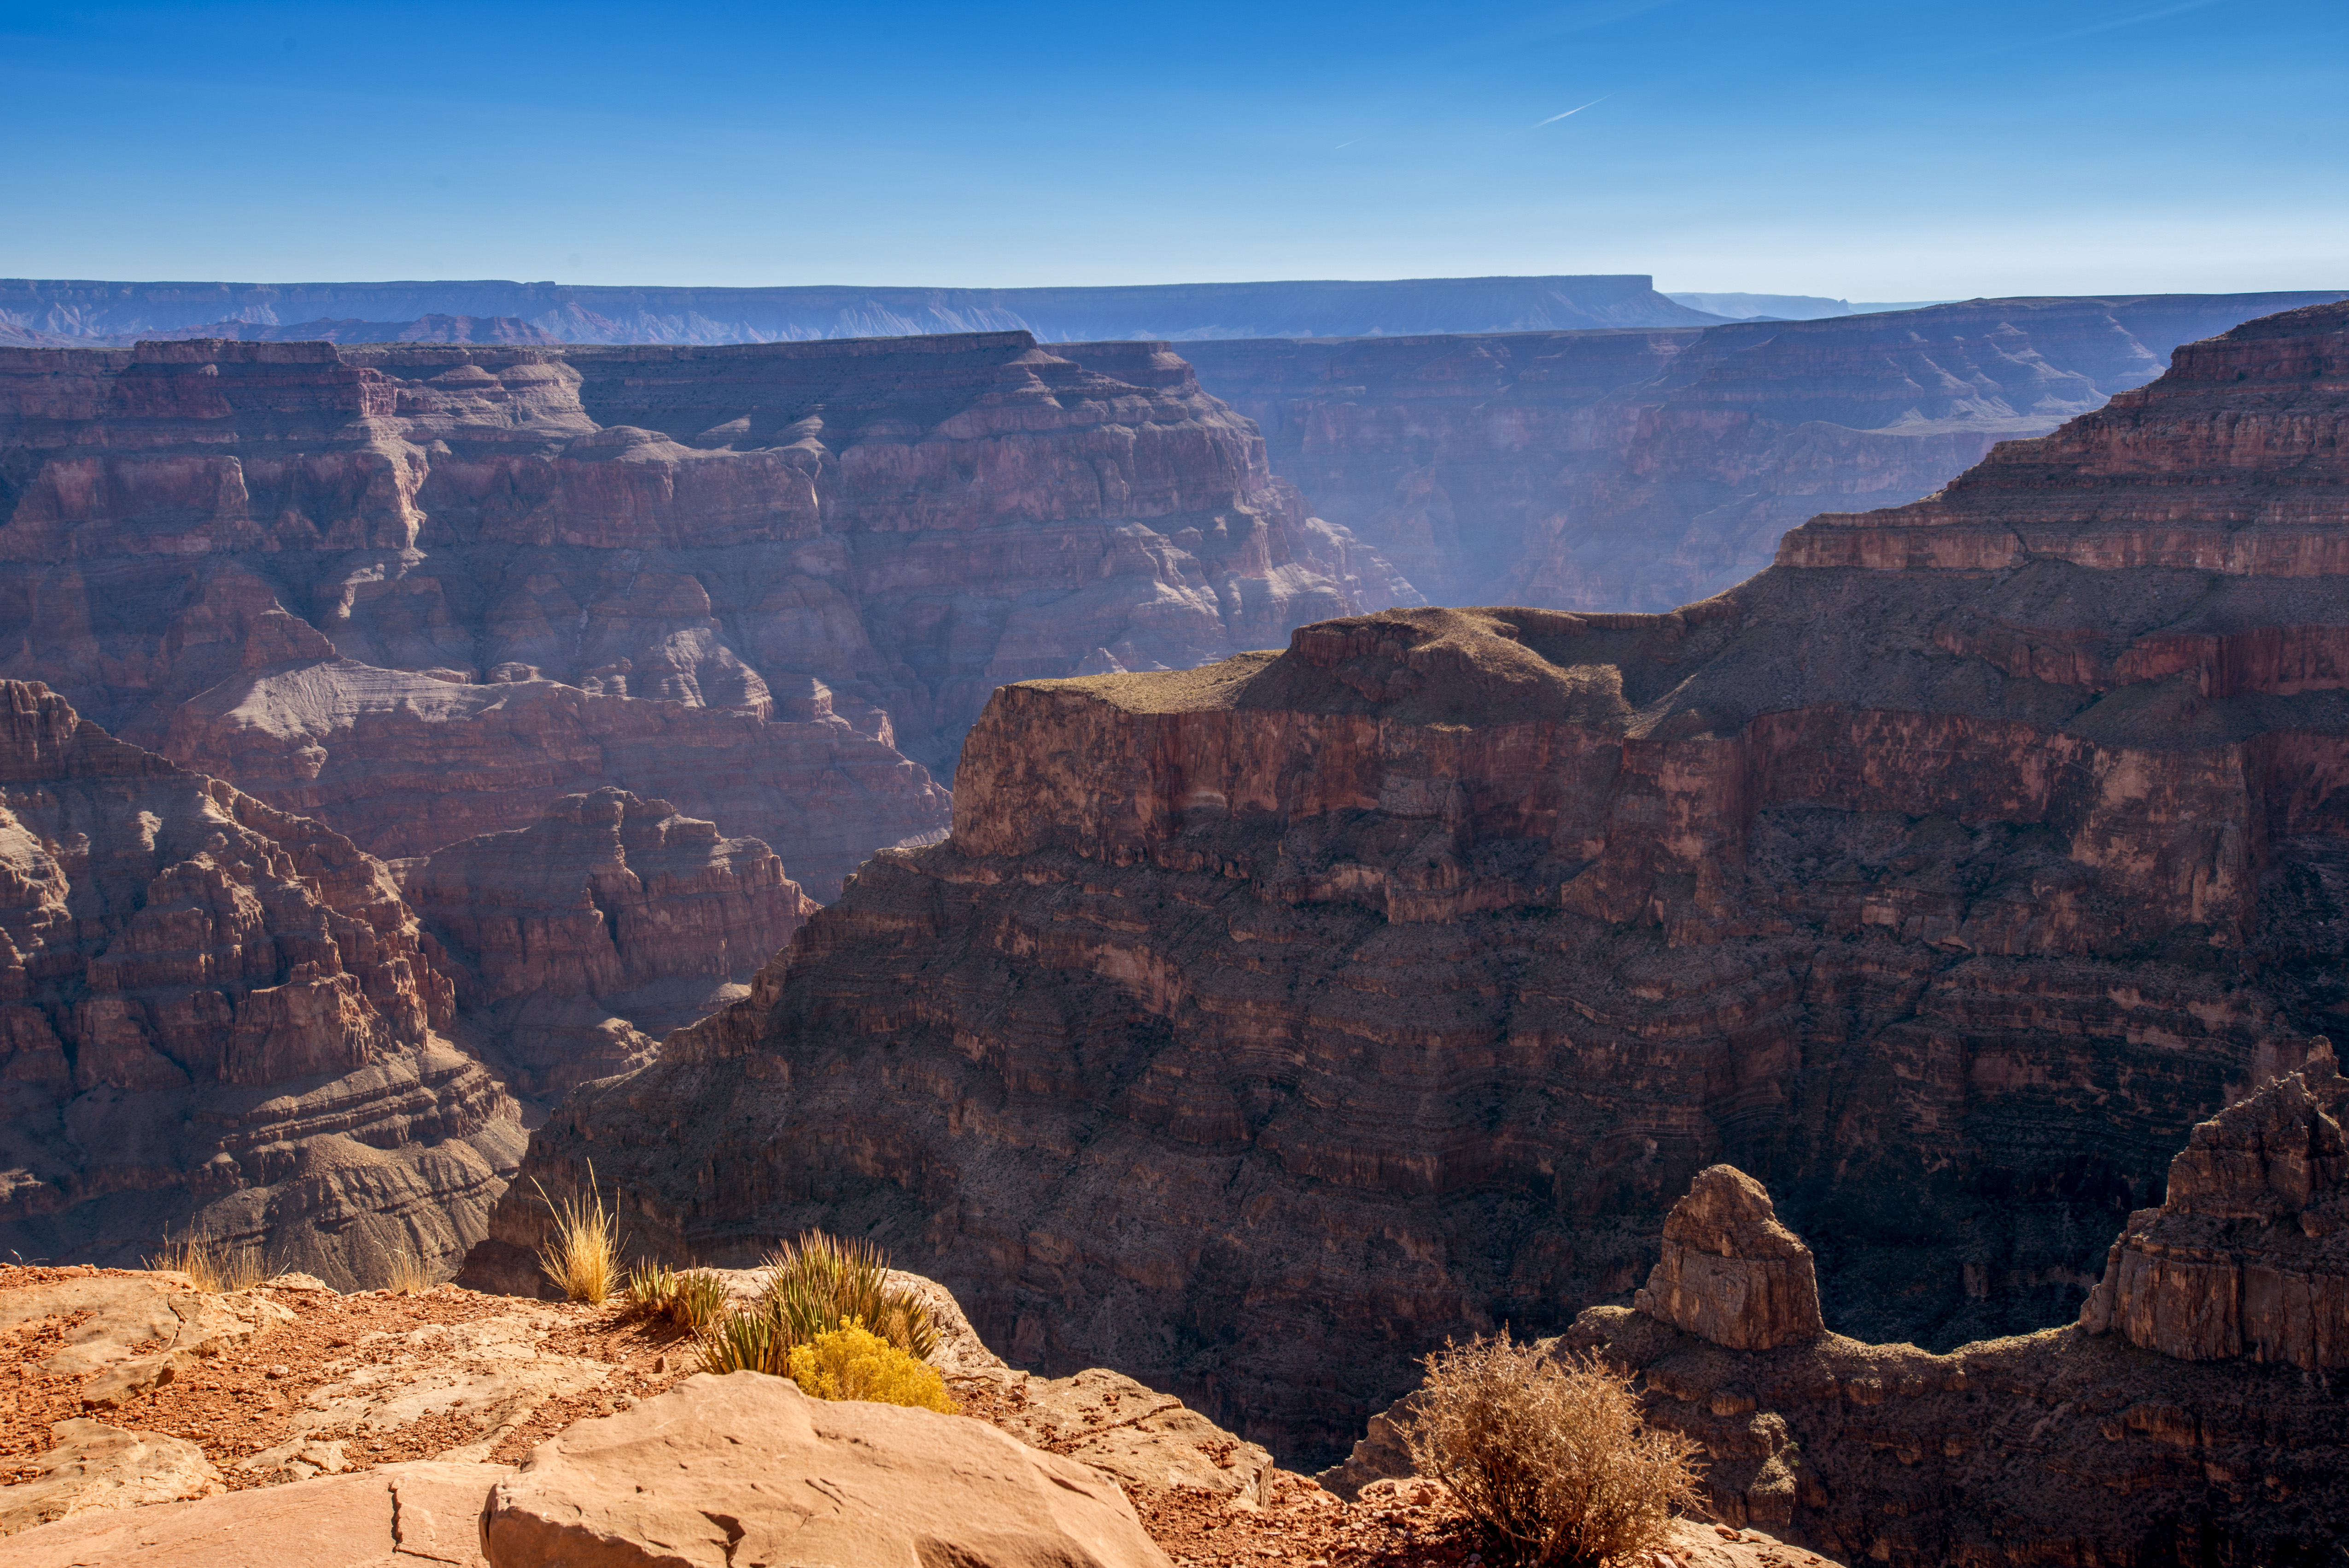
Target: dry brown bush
[
  {"x": 1550, "y": 1455},
  {"x": 212, "y": 1266},
  {"x": 583, "y": 1254}
]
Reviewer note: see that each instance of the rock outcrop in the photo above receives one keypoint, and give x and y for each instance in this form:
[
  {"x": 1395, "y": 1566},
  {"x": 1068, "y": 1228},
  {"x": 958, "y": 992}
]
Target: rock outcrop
[
  {"x": 95, "y": 1468},
  {"x": 2055, "y": 1447},
  {"x": 747, "y": 1467},
  {"x": 1261, "y": 1024},
  {"x": 419, "y": 591},
  {"x": 410, "y": 1411},
  {"x": 2248, "y": 1253},
  {"x": 1641, "y": 470},
  {"x": 1731, "y": 1272},
  {"x": 91, "y": 313},
  {"x": 578, "y": 940},
  {"x": 219, "y": 1019}
]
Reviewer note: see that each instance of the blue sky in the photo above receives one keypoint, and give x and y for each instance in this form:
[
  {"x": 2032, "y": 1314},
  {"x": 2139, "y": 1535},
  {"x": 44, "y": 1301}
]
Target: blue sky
[{"x": 1871, "y": 151}]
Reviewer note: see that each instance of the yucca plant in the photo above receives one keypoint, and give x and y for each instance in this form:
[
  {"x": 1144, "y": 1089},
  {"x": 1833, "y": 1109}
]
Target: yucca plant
[
  {"x": 583, "y": 1256},
  {"x": 821, "y": 1282},
  {"x": 651, "y": 1287},
  {"x": 698, "y": 1300},
  {"x": 746, "y": 1341}
]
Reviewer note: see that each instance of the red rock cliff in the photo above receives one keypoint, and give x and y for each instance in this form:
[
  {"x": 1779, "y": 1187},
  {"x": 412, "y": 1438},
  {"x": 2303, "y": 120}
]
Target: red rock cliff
[
  {"x": 1260, "y": 1024},
  {"x": 220, "y": 1018},
  {"x": 579, "y": 939},
  {"x": 421, "y": 591}
]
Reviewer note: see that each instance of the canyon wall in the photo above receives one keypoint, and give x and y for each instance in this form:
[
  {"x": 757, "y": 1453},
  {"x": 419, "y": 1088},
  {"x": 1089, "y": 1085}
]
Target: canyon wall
[
  {"x": 81, "y": 312},
  {"x": 418, "y": 591},
  {"x": 1263, "y": 1024},
  {"x": 1641, "y": 470},
  {"x": 2188, "y": 1417},
  {"x": 577, "y": 942},
  {"x": 218, "y": 1019}
]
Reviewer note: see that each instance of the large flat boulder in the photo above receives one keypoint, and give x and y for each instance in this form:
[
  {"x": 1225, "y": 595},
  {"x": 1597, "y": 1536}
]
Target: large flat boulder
[
  {"x": 400, "y": 1516},
  {"x": 746, "y": 1469},
  {"x": 95, "y": 1467}
]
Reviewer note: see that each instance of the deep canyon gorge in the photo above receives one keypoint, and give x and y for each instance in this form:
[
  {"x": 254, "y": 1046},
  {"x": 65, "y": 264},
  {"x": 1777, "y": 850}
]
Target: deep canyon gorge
[
  {"x": 1014, "y": 798},
  {"x": 1259, "y": 1024}
]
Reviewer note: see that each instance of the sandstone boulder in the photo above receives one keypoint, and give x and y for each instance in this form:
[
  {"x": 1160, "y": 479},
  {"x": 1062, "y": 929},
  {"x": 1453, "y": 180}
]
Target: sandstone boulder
[
  {"x": 2248, "y": 1253},
  {"x": 95, "y": 1467},
  {"x": 397, "y": 1516},
  {"x": 1731, "y": 1271},
  {"x": 1139, "y": 1435},
  {"x": 746, "y": 1469},
  {"x": 128, "y": 1333}
]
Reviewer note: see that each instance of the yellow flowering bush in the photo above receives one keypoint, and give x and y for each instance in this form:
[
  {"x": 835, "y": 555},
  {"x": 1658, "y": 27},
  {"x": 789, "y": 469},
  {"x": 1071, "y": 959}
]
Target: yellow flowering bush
[{"x": 854, "y": 1362}]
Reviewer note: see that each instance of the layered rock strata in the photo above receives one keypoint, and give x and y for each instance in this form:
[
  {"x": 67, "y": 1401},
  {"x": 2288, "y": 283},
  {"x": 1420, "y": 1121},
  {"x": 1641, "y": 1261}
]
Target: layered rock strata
[
  {"x": 219, "y": 1019},
  {"x": 1639, "y": 470},
  {"x": 2052, "y": 1447},
  {"x": 2248, "y": 1254},
  {"x": 579, "y": 940},
  {"x": 421, "y": 591},
  {"x": 1731, "y": 1271},
  {"x": 1261, "y": 1024}
]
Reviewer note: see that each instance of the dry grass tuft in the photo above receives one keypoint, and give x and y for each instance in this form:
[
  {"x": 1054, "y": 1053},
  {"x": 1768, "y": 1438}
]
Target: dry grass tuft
[
  {"x": 213, "y": 1266},
  {"x": 1552, "y": 1457},
  {"x": 583, "y": 1256},
  {"x": 410, "y": 1275}
]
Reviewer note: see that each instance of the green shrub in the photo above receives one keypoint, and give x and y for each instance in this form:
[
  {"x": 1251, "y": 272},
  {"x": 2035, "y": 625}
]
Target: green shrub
[
  {"x": 1551, "y": 1456},
  {"x": 853, "y": 1363},
  {"x": 651, "y": 1287}
]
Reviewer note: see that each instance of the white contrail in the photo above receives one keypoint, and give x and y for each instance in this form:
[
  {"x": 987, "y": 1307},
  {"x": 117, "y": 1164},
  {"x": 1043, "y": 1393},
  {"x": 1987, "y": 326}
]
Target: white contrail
[{"x": 1554, "y": 118}]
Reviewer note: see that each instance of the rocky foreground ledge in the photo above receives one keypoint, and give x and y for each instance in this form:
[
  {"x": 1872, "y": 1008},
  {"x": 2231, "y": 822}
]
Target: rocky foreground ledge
[{"x": 152, "y": 1424}]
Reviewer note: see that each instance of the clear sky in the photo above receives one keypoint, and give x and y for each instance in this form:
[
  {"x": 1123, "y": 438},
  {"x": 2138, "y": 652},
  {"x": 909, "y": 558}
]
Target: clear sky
[{"x": 1870, "y": 151}]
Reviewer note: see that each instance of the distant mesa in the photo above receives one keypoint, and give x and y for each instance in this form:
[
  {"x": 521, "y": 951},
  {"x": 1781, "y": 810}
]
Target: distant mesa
[{"x": 92, "y": 313}]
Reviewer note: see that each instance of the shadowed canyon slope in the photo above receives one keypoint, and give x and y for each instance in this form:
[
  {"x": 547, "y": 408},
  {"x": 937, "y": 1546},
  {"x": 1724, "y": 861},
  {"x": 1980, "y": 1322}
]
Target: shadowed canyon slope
[
  {"x": 577, "y": 942},
  {"x": 1261, "y": 1024},
  {"x": 1641, "y": 470},
  {"x": 76, "y": 312},
  {"x": 218, "y": 1018},
  {"x": 421, "y": 591}
]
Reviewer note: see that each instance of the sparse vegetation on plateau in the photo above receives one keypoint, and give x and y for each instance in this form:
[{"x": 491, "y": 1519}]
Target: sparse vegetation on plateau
[
  {"x": 409, "y": 1275},
  {"x": 211, "y": 1265},
  {"x": 1551, "y": 1456},
  {"x": 818, "y": 1285},
  {"x": 691, "y": 1298},
  {"x": 583, "y": 1256}
]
